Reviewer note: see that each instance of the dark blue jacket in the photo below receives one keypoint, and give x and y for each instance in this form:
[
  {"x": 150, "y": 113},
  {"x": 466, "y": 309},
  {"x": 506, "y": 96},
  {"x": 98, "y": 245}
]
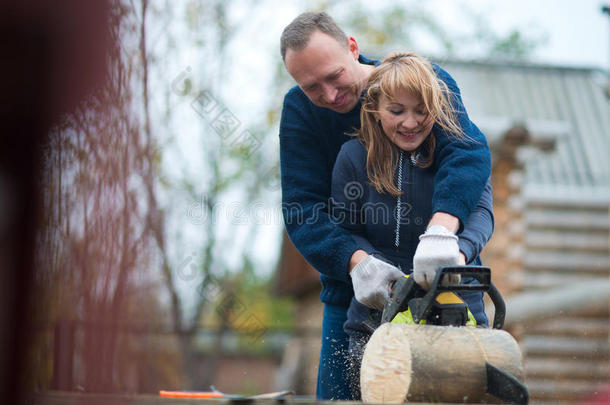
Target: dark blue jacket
[
  {"x": 310, "y": 139},
  {"x": 379, "y": 227}
]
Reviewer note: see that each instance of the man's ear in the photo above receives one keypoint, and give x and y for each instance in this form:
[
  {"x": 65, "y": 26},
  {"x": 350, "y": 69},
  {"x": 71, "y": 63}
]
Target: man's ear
[{"x": 352, "y": 46}]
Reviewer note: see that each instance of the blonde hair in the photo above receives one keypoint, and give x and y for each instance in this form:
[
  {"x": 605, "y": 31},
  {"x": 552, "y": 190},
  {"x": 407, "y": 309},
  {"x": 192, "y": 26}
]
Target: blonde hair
[{"x": 409, "y": 72}]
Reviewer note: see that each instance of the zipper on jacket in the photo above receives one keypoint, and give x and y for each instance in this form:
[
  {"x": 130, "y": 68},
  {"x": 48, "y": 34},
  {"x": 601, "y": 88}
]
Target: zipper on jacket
[
  {"x": 398, "y": 201},
  {"x": 413, "y": 161}
]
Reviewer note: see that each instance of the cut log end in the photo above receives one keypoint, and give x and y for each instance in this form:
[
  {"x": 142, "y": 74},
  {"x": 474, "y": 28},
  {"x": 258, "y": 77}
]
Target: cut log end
[
  {"x": 434, "y": 363},
  {"x": 385, "y": 375}
]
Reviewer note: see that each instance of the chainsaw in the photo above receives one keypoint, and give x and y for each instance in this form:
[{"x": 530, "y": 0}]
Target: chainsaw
[{"x": 442, "y": 306}]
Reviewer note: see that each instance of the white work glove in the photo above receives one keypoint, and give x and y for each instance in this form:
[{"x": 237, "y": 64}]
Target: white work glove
[
  {"x": 437, "y": 247},
  {"x": 371, "y": 278}
]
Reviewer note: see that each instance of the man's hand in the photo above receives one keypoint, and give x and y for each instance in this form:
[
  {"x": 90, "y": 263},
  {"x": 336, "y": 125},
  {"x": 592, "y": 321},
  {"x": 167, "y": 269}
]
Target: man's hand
[
  {"x": 437, "y": 247},
  {"x": 371, "y": 278}
]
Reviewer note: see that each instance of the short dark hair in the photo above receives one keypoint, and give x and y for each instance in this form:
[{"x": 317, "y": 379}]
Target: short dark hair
[{"x": 296, "y": 34}]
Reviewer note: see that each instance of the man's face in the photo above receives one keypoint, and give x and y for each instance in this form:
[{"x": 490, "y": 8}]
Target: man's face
[{"x": 328, "y": 72}]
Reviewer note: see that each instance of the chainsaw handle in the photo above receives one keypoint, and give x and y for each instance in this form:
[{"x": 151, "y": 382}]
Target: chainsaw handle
[
  {"x": 499, "y": 306},
  {"x": 401, "y": 288},
  {"x": 480, "y": 273}
]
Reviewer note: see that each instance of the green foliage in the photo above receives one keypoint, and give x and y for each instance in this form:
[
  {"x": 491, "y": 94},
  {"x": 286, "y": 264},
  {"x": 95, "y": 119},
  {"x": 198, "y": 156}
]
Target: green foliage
[
  {"x": 518, "y": 44},
  {"x": 246, "y": 305},
  {"x": 513, "y": 46},
  {"x": 395, "y": 27}
]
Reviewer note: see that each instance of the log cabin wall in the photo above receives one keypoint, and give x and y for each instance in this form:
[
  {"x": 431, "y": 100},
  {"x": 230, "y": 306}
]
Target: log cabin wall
[{"x": 566, "y": 354}]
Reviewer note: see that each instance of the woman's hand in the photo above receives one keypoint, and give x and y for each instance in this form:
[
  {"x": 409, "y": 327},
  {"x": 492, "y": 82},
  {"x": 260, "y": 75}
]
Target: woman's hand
[
  {"x": 437, "y": 247},
  {"x": 371, "y": 278},
  {"x": 462, "y": 259}
]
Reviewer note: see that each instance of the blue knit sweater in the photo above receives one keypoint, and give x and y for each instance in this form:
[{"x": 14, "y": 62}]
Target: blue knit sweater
[{"x": 310, "y": 139}]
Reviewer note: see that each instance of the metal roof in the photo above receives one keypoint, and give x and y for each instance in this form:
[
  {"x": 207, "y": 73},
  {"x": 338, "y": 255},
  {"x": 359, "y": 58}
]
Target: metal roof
[{"x": 569, "y": 104}]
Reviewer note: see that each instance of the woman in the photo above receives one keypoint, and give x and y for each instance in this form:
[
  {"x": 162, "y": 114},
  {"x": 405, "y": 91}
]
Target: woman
[{"x": 383, "y": 182}]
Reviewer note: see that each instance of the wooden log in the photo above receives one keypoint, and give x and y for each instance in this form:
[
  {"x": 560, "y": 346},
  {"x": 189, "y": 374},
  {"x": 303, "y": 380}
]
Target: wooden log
[{"x": 434, "y": 363}]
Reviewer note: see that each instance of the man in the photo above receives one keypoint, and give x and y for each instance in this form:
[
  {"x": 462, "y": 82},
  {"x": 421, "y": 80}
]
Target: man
[{"x": 316, "y": 117}]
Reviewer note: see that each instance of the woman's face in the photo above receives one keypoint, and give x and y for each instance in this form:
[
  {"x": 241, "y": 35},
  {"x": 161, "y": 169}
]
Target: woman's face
[{"x": 404, "y": 120}]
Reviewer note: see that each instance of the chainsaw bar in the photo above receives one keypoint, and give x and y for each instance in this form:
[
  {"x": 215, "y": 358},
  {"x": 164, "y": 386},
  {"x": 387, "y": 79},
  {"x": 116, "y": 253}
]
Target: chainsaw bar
[{"x": 505, "y": 386}]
